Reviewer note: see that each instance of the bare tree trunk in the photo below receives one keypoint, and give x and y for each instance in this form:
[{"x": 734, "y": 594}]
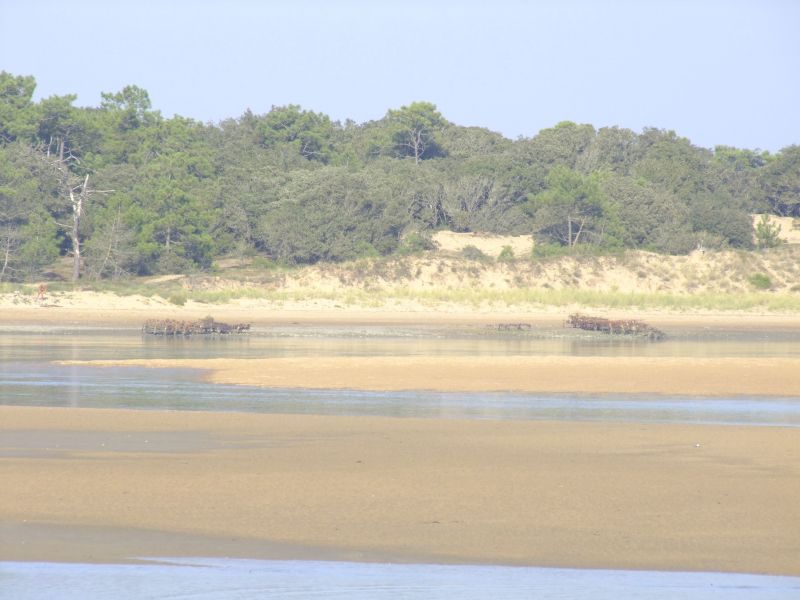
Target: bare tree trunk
[
  {"x": 77, "y": 213},
  {"x": 78, "y": 195},
  {"x": 6, "y": 256},
  {"x": 580, "y": 230},
  {"x": 569, "y": 232},
  {"x": 416, "y": 143}
]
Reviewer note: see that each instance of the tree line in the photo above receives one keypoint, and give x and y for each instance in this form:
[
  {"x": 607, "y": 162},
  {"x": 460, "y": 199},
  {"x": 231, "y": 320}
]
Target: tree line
[{"x": 124, "y": 191}]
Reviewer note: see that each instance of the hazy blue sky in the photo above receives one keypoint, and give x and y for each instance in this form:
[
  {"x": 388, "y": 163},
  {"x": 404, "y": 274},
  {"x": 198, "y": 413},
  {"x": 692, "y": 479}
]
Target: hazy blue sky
[{"x": 717, "y": 72}]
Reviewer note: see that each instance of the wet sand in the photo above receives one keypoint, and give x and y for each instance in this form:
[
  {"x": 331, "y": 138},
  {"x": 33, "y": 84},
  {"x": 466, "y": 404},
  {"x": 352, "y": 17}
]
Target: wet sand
[
  {"x": 109, "y": 485},
  {"x": 83, "y": 484},
  {"x": 581, "y": 374}
]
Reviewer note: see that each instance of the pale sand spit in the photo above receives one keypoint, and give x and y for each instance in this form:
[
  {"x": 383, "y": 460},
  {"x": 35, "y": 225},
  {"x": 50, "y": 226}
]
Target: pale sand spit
[{"x": 673, "y": 375}]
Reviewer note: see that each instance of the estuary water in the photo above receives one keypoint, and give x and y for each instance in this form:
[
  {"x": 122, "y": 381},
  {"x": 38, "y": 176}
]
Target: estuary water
[
  {"x": 30, "y": 377},
  {"x": 224, "y": 579}
]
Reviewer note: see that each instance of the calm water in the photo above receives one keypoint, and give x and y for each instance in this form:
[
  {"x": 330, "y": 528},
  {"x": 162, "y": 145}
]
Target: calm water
[
  {"x": 44, "y": 384},
  {"x": 29, "y": 377},
  {"x": 28, "y": 345},
  {"x": 218, "y": 579}
]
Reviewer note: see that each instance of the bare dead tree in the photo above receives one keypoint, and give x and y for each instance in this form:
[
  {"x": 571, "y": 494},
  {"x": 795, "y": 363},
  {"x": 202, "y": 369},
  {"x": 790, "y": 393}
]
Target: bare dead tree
[
  {"x": 416, "y": 142},
  {"x": 9, "y": 244},
  {"x": 76, "y": 190},
  {"x": 77, "y": 201}
]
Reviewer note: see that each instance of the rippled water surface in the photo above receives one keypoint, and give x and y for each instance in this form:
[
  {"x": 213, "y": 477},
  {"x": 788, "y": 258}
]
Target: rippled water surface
[{"x": 217, "y": 579}]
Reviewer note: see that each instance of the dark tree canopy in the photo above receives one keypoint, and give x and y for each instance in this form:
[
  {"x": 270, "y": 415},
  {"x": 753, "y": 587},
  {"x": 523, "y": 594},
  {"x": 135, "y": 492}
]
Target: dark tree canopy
[{"x": 126, "y": 191}]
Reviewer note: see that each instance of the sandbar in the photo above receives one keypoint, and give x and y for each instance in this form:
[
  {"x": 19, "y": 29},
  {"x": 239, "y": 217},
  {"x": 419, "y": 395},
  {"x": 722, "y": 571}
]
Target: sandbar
[
  {"x": 114, "y": 485},
  {"x": 776, "y": 376},
  {"x": 91, "y": 484}
]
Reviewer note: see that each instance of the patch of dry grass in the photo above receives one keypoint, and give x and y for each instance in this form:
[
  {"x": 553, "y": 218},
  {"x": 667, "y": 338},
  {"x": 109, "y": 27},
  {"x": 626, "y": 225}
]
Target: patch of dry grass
[{"x": 713, "y": 280}]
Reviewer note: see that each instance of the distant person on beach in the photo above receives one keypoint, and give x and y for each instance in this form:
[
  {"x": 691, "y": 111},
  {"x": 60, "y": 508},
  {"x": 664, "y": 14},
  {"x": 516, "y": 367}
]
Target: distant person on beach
[{"x": 40, "y": 296}]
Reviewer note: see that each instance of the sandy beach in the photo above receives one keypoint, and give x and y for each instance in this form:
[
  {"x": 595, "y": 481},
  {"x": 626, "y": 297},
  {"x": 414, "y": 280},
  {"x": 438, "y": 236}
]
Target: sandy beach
[
  {"x": 84, "y": 484},
  {"x": 108, "y": 485},
  {"x": 81, "y": 309}
]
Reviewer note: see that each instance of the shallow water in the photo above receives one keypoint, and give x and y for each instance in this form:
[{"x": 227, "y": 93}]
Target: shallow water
[
  {"x": 37, "y": 384},
  {"x": 28, "y": 377},
  {"x": 18, "y": 346},
  {"x": 212, "y": 579}
]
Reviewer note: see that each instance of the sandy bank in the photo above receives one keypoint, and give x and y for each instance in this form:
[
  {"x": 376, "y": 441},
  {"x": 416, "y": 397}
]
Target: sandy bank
[
  {"x": 589, "y": 374},
  {"x": 93, "y": 309},
  {"x": 83, "y": 484}
]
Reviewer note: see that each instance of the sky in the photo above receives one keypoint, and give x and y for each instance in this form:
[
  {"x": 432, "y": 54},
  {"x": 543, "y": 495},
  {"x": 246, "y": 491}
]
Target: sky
[{"x": 717, "y": 72}]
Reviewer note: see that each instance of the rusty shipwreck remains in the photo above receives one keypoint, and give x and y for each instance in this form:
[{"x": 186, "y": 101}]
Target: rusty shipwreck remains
[
  {"x": 207, "y": 326},
  {"x": 630, "y": 327}
]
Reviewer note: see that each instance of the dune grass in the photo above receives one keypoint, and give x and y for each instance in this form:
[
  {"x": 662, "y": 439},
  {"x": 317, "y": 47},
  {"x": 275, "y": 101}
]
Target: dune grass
[
  {"x": 726, "y": 283},
  {"x": 513, "y": 298},
  {"x": 474, "y": 297},
  {"x": 538, "y": 297}
]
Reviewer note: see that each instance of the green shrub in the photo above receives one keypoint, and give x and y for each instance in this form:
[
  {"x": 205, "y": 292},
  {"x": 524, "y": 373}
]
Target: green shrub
[
  {"x": 760, "y": 281},
  {"x": 363, "y": 249},
  {"x": 415, "y": 243},
  {"x": 549, "y": 250},
  {"x": 506, "y": 255},
  {"x": 178, "y": 298},
  {"x": 767, "y": 233},
  {"x": 264, "y": 263},
  {"x": 471, "y": 252}
]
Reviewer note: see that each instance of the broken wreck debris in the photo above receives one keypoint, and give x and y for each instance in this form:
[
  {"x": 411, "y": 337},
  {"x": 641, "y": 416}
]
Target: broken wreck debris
[
  {"x": 206, "y": 326},
  {"x": 630, "y": 327}
]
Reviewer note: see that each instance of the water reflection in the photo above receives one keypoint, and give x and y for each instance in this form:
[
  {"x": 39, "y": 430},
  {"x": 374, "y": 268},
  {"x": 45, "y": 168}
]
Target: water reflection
[
  {"x": 18, "y": 347},
  {"x": 29, "y": 377}
]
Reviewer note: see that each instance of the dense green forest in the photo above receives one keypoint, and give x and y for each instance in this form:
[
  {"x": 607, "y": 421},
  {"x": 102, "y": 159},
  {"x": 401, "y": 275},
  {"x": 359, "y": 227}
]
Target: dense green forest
[{"x": 125, "y": 191}]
